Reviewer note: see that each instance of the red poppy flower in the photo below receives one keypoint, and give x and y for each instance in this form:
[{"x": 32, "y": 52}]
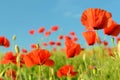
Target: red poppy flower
[
  {"x": 90, "y": 37},
  {"x": 38, "y": 57},
  {"x": 54, "y": 49},
  {"x": 33, "y": 46},
  {"x": 66, "y": 70},
  {"x": 51, "y": 43},
  {"x": 24, "y": 50},
  {"x": 112, "y": 28},
  {"x": 72, "y": 49},
  {"x": 58, "y": 43},
  {"x": 10, "y": 58},
  {"x": 60, "y": 37},
  {"x": 72, "y": 33},
  {"x": 75, "y": 38},
  {"x": 41, "y": 29},
  {"x": 105, "y": 43},
  {"x": 11, "y": 74},
  {"x": 67, "y": 37},
  {"x": 31, "y": 32},
  {"x": 47, "y": 33},
  {"x": 4, "y": 42},
  {"x": 54, "y": 28},
  {"x": 95, "y": 18},
  {"x": 45, "y": 44}
]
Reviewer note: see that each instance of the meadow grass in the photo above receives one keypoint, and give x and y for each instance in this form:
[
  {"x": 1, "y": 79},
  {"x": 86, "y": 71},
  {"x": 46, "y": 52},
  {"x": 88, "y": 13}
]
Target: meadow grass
[{"x": 92, "y": 64}]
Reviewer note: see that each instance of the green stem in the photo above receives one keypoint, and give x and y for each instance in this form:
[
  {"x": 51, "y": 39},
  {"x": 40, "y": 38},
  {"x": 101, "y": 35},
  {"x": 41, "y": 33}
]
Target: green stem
[{"x": 40, "y": 72}]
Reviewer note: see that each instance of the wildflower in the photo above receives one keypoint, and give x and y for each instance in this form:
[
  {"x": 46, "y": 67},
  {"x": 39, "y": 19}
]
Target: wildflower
[
  {"x": 58, "y": 43},
  {"x": 33, "y": 46},
  {"x": 112, "y": 28},
  {"x": 54, "y": 28},
  {"x": 31, "y": 32},
  {"x": 41, "y": 30},
  {"x": 47, "y": 33},
  {"x": 75, "y": 38},
  {"x": 4, "y": 42},
  {"x": 95, "y": 18},
  {"x": 10, "y": 58},
  {"x": 38, "y": 57},
  {"x": 51, "y": 43},
  {"x": 105, "y": 43},
  {"x": 60, "y": 37},
  {"x": 44, "y": 44},
  {"x": 72, "y": 33},
  {"x": 72, "y": 48},
  {"x": 66, "y": 70},
  {"x": 24, "y": 50},
  {"x": 90, "y": 37}
]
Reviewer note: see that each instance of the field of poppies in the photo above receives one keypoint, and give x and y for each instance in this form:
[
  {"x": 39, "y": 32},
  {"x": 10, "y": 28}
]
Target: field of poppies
[{"x": 66, "y": 58}]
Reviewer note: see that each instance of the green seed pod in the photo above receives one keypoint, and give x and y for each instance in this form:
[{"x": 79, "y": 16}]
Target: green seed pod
[
  {"x": 14, "y": 37},
  {"x": 37, "y": 46},
  {"x": 18, "y": 58},
  {"x": 17, "y": 50}
]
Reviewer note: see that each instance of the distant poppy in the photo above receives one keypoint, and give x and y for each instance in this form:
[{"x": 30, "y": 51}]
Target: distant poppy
[
  {"x": 54, "y": 49},
  {"x": 38, "y": 57},
  {"x": 90, "y": 37},
  {"x": 44, "y": 44},
  {"x": 11, "y": 74},
  {"x": 54, "y": 28},
  {"x": 95, "y": 18},
  {"x": 51, "y": 43},
  {"x": 33, "y": 46},
  {"x": 105, "y": 43},
  {"x": 112, "y": 28},
  {"x": 41, "y": 29},
  {"x": 72, "y": 48},
  {"x": 75, "y": 38},
  {"x": 47, "y": 33},
  {"x": 60, "y": 37},
  {"x": 4, "y": 42},
  {"x": 58, "y": 43},
  {"x": 72, "y": 33},
  {"x": 66, "y": 70},
  {"x": 24, "y": 50},
  {"x": 32, "y": 32}
]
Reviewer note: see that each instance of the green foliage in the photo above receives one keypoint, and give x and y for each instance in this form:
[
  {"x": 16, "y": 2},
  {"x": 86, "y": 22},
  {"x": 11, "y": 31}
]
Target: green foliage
[{"x": 91, "y": 64}]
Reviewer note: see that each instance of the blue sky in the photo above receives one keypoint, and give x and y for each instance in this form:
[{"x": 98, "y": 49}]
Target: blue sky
[{"x": 17, "y": 17}]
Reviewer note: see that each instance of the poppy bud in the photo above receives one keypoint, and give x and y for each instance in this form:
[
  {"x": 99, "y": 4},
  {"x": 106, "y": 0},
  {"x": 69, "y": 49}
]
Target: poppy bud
[{"x": 17, "y": 50}]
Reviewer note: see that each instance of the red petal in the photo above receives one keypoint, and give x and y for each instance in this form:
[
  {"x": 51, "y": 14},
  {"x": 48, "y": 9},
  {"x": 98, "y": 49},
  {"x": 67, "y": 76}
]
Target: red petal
[
  {"x": 28, "y": 61},
  {"x": 49, "y": 62}
]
